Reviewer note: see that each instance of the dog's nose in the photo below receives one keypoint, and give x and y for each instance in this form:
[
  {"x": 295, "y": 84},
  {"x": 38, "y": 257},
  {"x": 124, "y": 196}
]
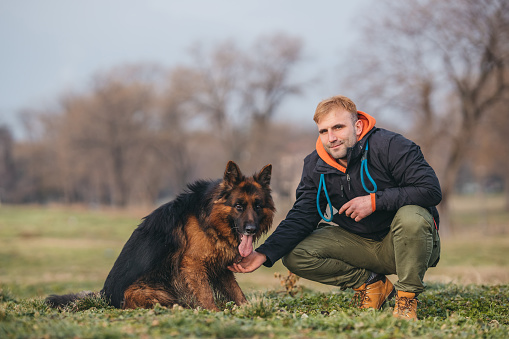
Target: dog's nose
[{"x": 250, "y": 229}]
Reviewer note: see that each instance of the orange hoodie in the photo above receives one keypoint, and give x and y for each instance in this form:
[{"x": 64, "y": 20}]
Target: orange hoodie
[{"x": 368, "y": 122}]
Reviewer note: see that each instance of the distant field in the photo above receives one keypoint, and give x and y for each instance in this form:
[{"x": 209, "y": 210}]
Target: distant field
[{"x": 59, "y": 249}]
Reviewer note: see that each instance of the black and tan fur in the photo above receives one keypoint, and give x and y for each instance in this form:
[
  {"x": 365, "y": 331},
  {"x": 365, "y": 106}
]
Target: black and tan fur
[{"x": 180, "y": 252}]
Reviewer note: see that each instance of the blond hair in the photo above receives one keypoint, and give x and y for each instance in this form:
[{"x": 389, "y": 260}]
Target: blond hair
[{"x": 338, "y": 101}]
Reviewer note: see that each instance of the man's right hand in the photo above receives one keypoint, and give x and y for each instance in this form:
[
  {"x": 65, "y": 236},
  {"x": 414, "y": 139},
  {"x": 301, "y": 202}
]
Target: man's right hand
[{"x": 249, "y": 263}]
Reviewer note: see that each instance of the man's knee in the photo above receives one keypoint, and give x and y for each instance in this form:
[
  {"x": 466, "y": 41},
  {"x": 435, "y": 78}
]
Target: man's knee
[
  {"x": 298, "y": 260},
  {"x": 412, "y": 220}
]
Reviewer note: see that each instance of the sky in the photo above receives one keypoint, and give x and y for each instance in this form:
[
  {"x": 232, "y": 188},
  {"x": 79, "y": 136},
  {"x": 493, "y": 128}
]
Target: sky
[{"x": 51, "y": 46}]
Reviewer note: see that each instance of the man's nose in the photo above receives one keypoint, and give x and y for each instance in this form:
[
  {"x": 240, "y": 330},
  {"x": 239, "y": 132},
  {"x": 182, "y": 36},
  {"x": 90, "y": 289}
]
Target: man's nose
[{"x": 332, "y": 136}]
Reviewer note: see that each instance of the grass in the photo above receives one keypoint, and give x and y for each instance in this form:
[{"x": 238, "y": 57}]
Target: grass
[
  {"x": 445, "y": 311},
  {"x": 46, "y": 250}
]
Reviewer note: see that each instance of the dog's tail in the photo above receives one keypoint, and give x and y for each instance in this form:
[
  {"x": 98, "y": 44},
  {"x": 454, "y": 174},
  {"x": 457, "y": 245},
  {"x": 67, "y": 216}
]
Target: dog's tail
[{"x": 57, "y": 301}]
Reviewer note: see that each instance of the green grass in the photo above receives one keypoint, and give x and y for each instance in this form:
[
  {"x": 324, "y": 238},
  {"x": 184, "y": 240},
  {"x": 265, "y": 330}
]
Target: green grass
[
  {"x": 445, "y": 311},
  {"x": 62, "y": 250}
]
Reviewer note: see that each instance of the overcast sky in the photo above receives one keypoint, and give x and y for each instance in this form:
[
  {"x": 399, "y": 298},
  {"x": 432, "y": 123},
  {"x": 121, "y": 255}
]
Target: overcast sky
[{"x": 48, "y": 46}]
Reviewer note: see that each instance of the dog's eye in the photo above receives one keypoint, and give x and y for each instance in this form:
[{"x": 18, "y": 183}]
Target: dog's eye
[
  {"x": 239, "y": 207},
  {"x": 258, "y": 207}
]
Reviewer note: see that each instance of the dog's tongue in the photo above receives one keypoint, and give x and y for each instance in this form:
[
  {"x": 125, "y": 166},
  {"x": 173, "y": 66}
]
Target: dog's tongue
[{"x": 246, "y": 245}]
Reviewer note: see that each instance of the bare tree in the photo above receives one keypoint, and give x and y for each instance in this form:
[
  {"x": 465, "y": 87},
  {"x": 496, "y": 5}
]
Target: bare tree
[
  {"x": 7, "y": 175},
  {"x": 117, "y": 126},
  {"x": 270, "y": 82},
  {"x": 99, "y": 139},
  {"x": 491, "y": 151},
  {"x": 176, "y": 129},
  {"x": 444, "y": 66},
  {"x": 239, "y": 91}
]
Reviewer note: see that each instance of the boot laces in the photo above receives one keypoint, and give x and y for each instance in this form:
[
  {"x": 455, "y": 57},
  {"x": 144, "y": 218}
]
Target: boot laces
[
  {"x": 406, "y": 304},
  {"x": 359, "y": 297}
]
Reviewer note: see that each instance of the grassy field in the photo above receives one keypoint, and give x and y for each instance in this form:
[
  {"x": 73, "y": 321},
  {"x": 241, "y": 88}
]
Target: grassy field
[{"x": 46, "y": 250}]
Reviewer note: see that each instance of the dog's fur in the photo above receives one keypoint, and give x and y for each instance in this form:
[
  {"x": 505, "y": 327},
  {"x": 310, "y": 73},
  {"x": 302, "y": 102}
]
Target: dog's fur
[{"x": 180, "y": 252}]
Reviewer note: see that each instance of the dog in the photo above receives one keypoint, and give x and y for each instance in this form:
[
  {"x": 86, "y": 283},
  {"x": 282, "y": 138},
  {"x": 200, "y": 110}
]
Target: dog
[{"x": 180, "y": 252}]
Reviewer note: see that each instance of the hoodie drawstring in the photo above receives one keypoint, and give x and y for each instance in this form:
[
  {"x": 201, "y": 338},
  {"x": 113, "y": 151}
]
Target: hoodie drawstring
[
  {"x": 322, "y": 184},
  {"x": 364, "y": 169}
]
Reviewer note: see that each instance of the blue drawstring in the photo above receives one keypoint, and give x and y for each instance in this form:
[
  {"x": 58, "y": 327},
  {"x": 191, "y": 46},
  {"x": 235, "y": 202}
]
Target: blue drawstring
[
  {"x": 364, "y": 168},
  {"x": 322, "y": 182}
]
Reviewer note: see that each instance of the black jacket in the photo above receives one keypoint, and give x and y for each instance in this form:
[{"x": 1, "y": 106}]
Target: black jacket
[{"x": 398, "y": 168}]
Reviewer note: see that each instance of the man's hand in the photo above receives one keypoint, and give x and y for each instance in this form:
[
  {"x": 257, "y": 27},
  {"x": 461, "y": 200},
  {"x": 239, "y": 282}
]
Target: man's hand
[
  {"x": 357, "y": 208},
  {"x": 249, "y": 263}
]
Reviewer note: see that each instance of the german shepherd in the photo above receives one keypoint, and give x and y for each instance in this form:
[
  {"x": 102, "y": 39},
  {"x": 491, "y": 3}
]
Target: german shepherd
[{"x": 180, "y": 252}]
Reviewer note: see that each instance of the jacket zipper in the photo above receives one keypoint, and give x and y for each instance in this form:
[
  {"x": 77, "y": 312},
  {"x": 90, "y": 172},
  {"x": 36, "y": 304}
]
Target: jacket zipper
[{"x": 342, "y": 187}]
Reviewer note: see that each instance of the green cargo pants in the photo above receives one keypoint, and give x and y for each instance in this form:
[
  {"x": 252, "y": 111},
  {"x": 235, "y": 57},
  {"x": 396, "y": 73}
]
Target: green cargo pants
[{"x": 334, "y": 256}]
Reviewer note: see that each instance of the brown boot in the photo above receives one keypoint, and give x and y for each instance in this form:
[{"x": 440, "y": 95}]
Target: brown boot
[
  {"x": 406, "y": 306},
  {"x": 374, "y": 294}
]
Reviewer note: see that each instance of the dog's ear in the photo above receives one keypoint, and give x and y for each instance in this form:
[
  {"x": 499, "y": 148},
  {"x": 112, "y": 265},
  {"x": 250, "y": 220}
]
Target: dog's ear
[
  {"x": 232, "y": 174},
  {"x": 264, "y": 176}
]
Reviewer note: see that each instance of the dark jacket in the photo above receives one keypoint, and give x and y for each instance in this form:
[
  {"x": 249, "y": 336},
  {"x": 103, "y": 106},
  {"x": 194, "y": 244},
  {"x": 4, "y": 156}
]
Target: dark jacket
[{"x": 395, "y": 163}]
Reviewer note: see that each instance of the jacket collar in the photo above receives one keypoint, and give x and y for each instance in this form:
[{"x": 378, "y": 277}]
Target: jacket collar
[{"x": 368, "y": 125}]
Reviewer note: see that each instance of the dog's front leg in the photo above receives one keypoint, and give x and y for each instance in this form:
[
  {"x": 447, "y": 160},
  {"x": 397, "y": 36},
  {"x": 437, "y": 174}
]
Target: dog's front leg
[
  {"x": 197, "y": 282},
  {"x": 229, "y": 287}
]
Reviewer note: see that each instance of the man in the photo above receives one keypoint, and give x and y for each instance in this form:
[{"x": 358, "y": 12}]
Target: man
[{"x": 379, "y": 195}]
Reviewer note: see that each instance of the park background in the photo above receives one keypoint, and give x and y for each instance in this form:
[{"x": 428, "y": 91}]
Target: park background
[{"x": 108, "y": 109}]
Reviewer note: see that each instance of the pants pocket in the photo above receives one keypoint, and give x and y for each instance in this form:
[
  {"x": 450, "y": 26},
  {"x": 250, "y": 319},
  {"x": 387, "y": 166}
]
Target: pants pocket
[{"x": 435, "y": 254}]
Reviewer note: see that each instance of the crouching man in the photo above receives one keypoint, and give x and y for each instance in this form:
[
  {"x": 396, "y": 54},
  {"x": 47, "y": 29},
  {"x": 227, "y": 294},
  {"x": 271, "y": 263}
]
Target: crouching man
[{"x": 365, "y": 208}]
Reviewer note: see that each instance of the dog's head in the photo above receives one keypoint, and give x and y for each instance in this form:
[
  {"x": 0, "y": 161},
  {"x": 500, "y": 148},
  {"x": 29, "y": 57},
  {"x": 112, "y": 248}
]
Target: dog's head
[{"x": 251, "y": 205}]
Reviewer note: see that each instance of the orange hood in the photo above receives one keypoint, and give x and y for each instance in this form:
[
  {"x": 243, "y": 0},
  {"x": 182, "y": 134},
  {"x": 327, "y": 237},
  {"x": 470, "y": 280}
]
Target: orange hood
[{"x": 368, "y": 122}]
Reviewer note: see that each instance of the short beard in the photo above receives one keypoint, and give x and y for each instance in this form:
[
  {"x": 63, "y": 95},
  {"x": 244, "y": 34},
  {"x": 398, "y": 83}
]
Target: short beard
[{"x": 334, "y": 157}]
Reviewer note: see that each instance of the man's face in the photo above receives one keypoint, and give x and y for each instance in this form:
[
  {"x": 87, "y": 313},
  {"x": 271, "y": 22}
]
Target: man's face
[{"x": 338, "y": 132}]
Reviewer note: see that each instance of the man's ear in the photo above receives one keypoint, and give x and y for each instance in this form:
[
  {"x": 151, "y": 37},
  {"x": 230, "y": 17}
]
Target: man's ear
[
  {"x": 359, "y": 127},
  {"x": 264, "y": 176}
]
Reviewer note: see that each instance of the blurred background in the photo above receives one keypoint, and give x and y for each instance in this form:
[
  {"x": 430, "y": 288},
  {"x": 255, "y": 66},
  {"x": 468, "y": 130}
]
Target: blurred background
[{"x": 119, "y": 104}]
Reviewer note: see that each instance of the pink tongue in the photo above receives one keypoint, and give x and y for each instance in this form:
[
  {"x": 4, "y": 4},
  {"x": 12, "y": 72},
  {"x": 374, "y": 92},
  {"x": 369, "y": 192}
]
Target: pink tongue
[{"x": 246, "y": 245}]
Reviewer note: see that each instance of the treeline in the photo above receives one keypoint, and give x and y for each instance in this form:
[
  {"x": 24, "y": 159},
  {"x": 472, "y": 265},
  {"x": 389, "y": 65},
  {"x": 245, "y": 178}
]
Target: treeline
[{"x": 140, "y": 133}]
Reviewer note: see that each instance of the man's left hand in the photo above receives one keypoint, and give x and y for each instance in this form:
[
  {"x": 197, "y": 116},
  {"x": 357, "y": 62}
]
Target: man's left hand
[{"x": 357, "y": 208}]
